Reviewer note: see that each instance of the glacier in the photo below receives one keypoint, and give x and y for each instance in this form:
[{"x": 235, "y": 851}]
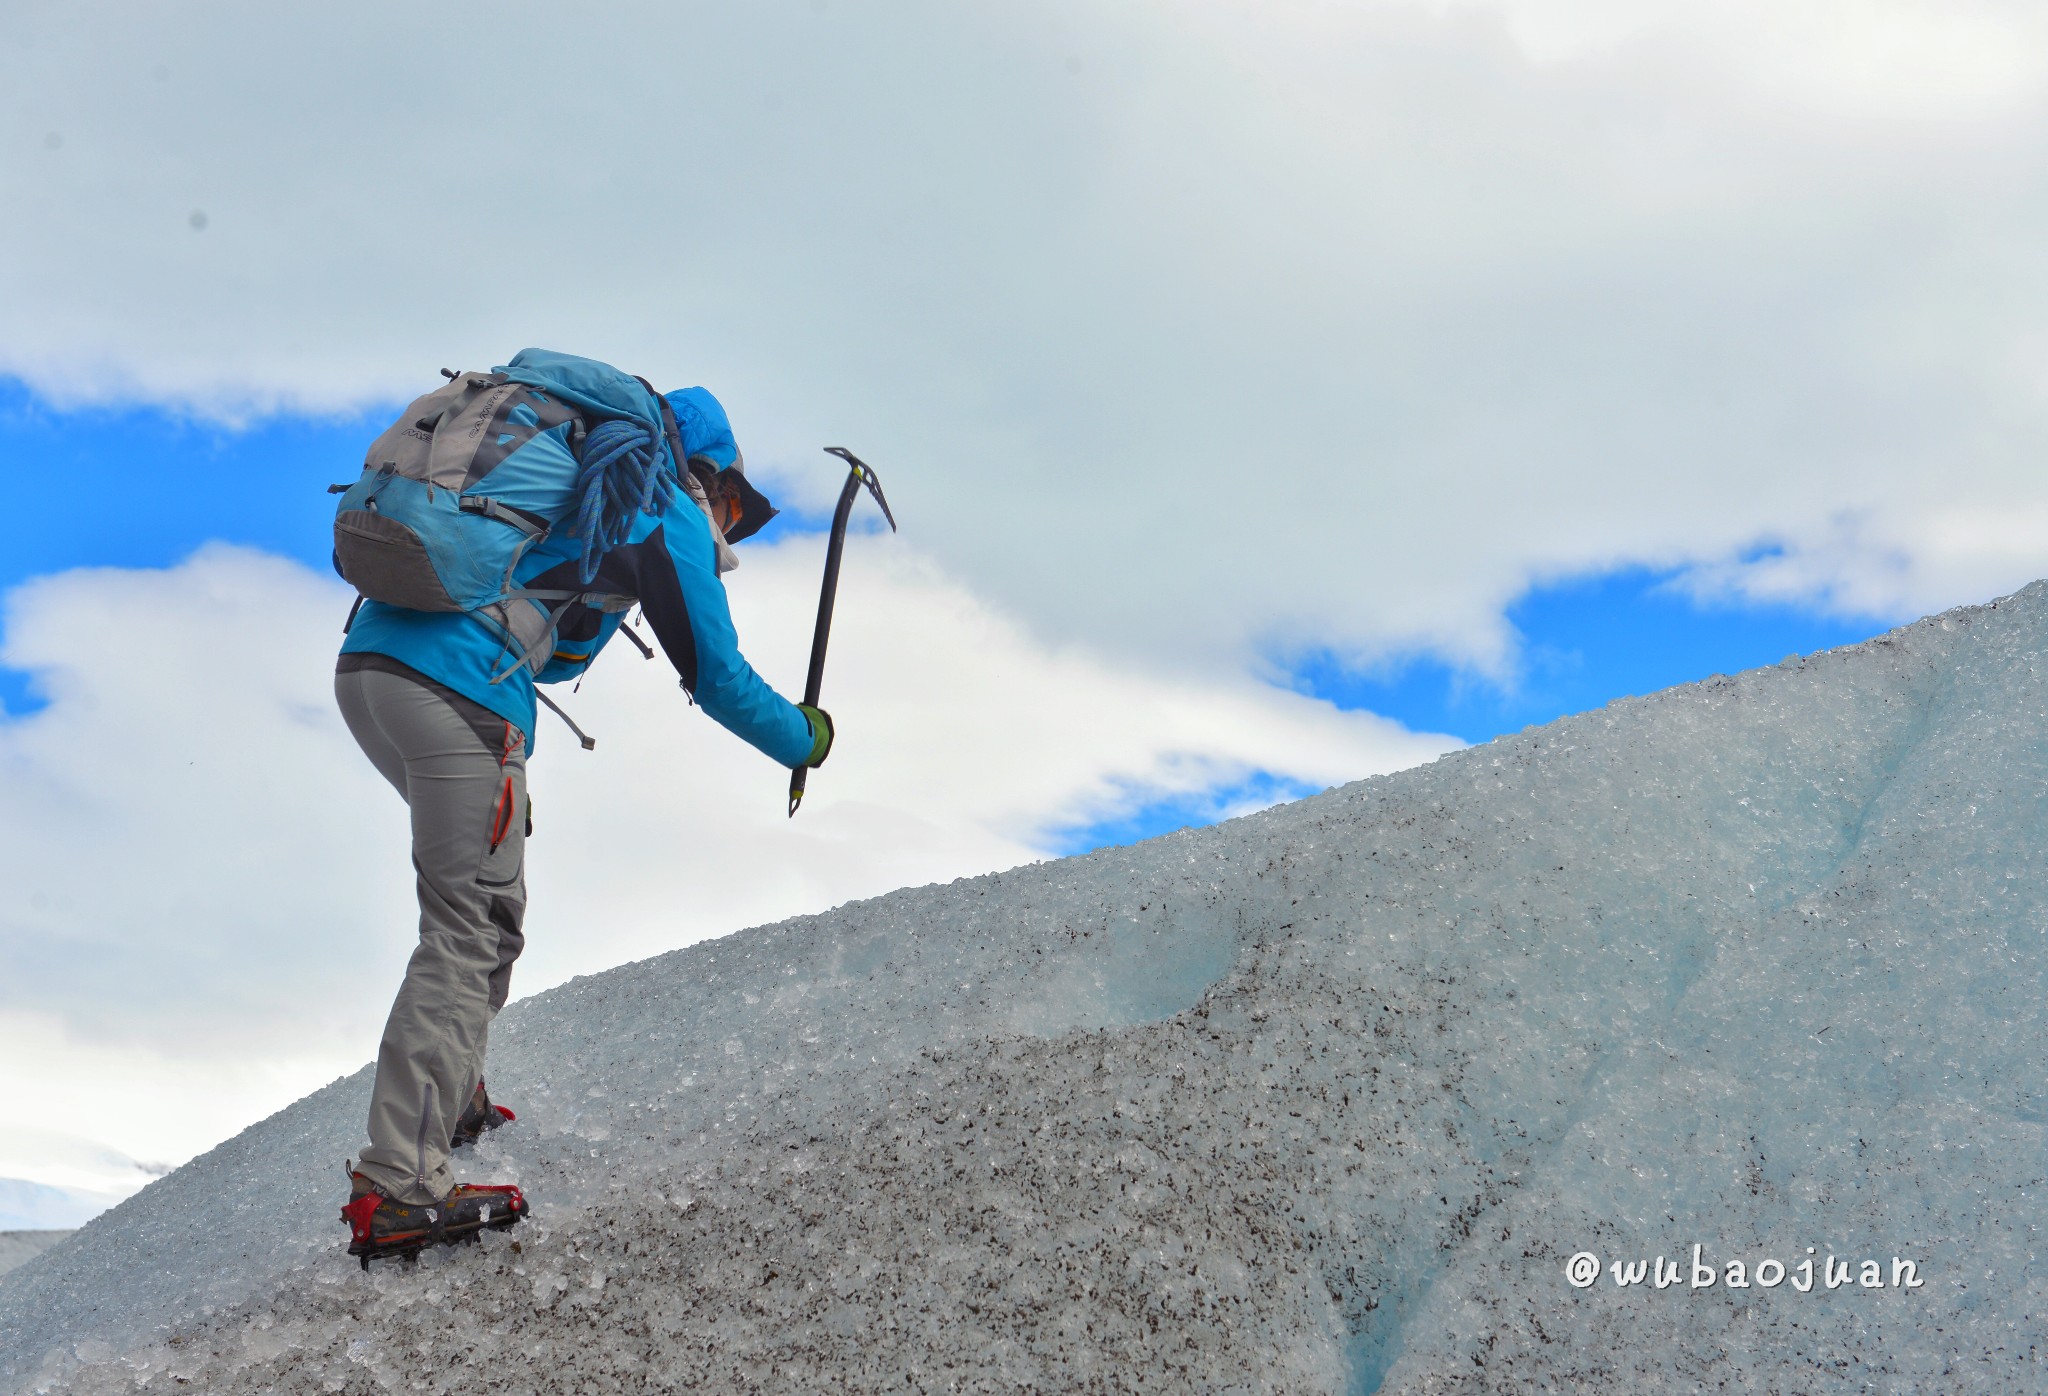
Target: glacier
[{"x": 1344, "y": 1096}]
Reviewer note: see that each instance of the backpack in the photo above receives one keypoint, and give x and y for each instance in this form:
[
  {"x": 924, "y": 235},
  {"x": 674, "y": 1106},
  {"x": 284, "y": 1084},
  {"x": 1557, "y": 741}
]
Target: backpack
[{"x": 477, "y": 473}]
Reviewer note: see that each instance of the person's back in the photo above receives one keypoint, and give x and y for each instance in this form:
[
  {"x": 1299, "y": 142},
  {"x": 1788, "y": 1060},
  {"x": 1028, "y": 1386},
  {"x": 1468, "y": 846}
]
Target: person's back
[{"x": 443, "y": 704}]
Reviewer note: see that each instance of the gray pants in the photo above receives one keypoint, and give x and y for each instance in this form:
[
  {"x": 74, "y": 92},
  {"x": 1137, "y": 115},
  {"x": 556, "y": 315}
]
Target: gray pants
[{"x": 467, "y": 794}]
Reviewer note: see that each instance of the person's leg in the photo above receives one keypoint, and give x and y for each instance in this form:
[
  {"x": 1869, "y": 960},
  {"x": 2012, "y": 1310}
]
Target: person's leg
[{"x": 468, "y": 805}]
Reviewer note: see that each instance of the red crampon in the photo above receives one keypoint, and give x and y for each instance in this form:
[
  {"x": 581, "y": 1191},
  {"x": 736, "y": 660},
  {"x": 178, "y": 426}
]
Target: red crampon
[{"x": 380, "y": 1226}]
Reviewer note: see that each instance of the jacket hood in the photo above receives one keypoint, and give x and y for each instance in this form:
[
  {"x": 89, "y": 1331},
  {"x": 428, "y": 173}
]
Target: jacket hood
[
  {"x": 707, "y": 436},
  {"x": 706, "y": 430}
]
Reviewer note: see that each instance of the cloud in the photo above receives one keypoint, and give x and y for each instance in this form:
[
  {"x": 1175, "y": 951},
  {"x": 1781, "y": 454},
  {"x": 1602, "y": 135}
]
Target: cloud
[
  {"x": 77, "y": 1109},
  {"x": 206, "y": 894},
  {"x": 55, "y": 1181},
  {"x": 1200, "y": 331}
]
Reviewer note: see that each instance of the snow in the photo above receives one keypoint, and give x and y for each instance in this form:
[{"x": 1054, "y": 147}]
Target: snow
[{"x": 1321, "y": 1099}]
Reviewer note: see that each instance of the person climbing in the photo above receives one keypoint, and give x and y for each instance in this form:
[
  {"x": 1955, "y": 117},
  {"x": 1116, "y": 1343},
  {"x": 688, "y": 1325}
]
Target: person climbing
[{"x": 501, "y": 530}]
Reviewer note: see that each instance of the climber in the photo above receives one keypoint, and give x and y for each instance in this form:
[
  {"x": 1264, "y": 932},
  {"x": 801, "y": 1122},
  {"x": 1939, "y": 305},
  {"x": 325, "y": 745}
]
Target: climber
[{"x": 597, "y": 495}]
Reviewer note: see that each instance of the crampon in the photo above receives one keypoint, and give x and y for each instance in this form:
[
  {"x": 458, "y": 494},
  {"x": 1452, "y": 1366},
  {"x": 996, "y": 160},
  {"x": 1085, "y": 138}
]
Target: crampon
[{"x": 380, "y": 1227}]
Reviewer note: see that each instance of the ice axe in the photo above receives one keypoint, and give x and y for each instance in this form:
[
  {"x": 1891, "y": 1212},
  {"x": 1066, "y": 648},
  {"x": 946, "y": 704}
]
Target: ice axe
[{"x": 860, "y": 474}]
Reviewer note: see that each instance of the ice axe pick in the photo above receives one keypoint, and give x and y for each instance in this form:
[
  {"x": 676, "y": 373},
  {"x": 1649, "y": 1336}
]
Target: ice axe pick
[{"x": 860, "y": 474}]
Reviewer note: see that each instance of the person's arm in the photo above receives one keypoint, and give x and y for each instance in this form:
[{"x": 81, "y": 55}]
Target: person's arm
[{"x": 675, "y": 576}]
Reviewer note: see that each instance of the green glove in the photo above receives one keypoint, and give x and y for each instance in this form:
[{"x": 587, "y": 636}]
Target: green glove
[{"x": 821, "y": 733}]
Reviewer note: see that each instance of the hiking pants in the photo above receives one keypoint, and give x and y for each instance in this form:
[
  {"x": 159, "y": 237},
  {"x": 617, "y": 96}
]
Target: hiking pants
[{"x": 467, "y": 794}]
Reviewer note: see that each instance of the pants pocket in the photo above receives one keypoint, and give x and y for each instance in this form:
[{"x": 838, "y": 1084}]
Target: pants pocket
[
  {"x": 503, "y": 865},
  {"x": 502, "y": 810}
]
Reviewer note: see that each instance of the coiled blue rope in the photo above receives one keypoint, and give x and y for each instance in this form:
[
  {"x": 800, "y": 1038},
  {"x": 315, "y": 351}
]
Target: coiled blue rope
[{"x": 624, "y": 474}]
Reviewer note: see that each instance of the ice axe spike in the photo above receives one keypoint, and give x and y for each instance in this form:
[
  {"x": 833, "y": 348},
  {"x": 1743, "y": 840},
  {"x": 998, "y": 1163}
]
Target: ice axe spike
[{"x": 860, "y": 473}]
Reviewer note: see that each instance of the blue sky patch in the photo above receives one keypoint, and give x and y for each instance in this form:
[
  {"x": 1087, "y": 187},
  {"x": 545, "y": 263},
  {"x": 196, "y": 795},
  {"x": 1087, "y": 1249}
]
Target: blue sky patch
[
  {"x": 1164, "y": 816},
  {"x": 141, "y": 487},
  {"x": 18, "y": 696},
  {"x": 1585, "y": 642}
]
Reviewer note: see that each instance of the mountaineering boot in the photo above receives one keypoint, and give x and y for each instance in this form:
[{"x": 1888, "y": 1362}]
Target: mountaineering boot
[
  {"x": 478, "y": 1117},
  {"x": 380, "y": 1226}
]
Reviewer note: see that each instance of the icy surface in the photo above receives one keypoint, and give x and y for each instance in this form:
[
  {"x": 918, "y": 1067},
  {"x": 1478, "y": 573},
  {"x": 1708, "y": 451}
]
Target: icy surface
[{"x": 1320, "y": 1100}]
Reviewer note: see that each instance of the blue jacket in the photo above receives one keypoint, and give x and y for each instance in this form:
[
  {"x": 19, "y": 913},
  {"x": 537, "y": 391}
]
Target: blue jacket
[{"x": 668, "y": 562}]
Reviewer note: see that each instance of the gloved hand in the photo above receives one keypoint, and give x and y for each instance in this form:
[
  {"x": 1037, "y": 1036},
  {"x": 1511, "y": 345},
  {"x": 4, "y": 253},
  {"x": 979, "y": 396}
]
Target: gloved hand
[{"x": 821, "y": 733}]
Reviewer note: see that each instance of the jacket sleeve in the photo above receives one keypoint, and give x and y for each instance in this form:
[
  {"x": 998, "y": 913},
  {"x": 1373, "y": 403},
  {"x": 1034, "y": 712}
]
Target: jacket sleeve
[{"x": 676, "y": 578}]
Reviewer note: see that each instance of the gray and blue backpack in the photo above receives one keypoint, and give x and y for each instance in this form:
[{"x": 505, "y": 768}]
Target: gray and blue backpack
[{"x": 476, "y": 474}]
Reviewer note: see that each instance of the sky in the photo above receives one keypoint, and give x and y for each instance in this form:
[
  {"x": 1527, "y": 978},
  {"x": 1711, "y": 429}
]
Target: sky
[{"x": 1270, "y": 394}]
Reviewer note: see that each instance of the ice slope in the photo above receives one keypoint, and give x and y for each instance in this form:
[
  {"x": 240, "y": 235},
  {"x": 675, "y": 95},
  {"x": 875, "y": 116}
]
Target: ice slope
[{"x": 1324, "y": 1099}]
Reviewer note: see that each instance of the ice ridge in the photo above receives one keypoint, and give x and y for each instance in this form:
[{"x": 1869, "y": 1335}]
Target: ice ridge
[{"x": 1326, "y": 1099}]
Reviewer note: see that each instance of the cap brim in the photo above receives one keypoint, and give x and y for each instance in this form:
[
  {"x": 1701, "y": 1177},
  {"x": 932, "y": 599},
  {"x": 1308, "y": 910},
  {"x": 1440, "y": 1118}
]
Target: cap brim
[{"x": 755, "y": 510}]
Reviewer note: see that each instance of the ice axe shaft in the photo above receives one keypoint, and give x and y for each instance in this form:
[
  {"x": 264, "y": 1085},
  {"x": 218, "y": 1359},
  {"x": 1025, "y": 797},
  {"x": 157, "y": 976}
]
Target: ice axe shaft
[{"x": 860, "y": 474}]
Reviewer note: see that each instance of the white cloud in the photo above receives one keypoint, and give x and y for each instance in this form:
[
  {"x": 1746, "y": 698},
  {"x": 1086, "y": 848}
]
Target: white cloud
[
  {"x": 53, "y": 1181},
  {"x": 1883, "y": 59},
  {"x": 205, "y": 893},
  {"x": 78, "y": 1108},
  {"x": 1194, "y": 330}
]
